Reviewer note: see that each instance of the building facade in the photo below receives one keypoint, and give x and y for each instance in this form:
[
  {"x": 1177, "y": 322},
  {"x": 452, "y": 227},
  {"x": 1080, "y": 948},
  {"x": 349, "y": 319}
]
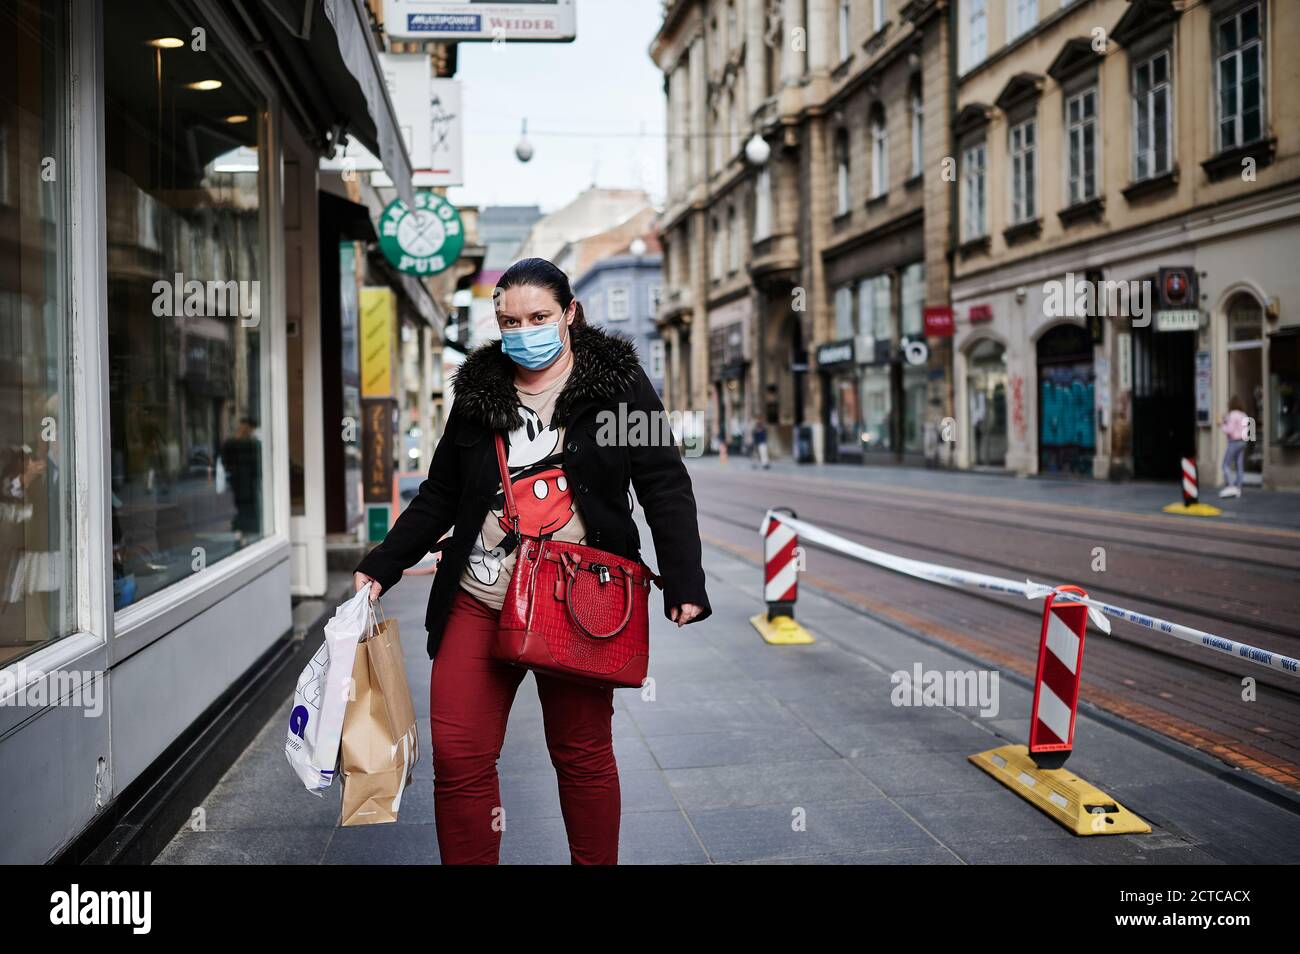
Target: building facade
[
  {"x": 804, "y": 197},
  {"x": 1128, "y": 203},
  {"x": 180, "y": 287},
  {"x": 620, "y": 293}
]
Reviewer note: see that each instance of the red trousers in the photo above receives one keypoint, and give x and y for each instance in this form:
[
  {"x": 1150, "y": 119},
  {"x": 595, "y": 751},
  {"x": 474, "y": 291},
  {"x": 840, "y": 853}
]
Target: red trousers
[{"x": 470, "y": 695}]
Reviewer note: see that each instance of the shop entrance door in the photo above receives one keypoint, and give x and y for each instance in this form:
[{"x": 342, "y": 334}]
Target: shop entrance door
[
  {"x": 1164, "y": 402},
  {"x": 986, "y": 394},
  {"x": 1066, "y": 395},
  {"x": 1246, "y": 374}
]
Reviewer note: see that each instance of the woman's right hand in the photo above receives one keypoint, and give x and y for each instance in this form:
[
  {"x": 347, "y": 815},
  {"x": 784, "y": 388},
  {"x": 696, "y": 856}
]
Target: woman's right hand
[{"x": 360, "y": 581}]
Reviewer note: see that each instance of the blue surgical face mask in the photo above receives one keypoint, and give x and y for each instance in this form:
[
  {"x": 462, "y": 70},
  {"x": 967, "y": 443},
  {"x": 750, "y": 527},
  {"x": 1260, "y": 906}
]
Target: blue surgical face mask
[{"x": 533, "y": 348}]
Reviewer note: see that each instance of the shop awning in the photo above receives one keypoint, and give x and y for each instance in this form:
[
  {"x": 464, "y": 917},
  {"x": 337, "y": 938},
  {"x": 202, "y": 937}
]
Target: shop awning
[
  {"x": 356, "y": 46},
  {"x": 324, "y": 54}
]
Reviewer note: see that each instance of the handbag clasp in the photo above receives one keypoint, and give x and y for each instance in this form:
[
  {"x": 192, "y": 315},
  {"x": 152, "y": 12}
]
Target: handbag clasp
[{"x": 602, "y": 573}]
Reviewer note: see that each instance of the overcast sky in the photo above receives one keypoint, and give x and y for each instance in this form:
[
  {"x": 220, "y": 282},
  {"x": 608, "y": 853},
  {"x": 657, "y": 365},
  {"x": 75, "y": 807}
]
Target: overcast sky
[{"x": 595, "y": 110}]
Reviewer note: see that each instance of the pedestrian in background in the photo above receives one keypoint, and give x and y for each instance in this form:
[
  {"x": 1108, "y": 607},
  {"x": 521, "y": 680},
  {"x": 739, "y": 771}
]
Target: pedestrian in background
[
  {"x": 543, "y": 385},
  {"x": 760, "y": 442},
  {"x": 1234, "y": 458}
]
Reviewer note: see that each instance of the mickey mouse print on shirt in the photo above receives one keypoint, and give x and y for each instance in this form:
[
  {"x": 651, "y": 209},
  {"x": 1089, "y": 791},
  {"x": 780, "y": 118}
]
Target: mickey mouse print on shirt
[{"x": 542, "y": 495}]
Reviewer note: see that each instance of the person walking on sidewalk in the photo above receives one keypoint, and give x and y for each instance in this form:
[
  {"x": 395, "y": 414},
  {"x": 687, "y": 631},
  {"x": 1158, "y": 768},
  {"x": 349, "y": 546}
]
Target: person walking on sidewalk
[
  {"x": 542, "y": 385},
  {"x": 760, "y": 442},
  {"x": 1234, "y": 425}
]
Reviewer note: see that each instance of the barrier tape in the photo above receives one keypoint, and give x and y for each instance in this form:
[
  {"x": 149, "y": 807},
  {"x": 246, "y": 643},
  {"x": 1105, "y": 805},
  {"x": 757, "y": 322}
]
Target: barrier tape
[{"x": 1097, "y": 609}]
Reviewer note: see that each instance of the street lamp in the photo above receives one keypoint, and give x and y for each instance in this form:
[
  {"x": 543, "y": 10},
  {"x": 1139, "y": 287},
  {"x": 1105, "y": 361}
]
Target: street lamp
[
  {"x": 757, "y": 151},
  {"x": 524, "y": 150}
]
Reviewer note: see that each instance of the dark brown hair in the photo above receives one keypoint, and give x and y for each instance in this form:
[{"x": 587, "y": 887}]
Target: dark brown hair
[{"x": 539, "y": 273}]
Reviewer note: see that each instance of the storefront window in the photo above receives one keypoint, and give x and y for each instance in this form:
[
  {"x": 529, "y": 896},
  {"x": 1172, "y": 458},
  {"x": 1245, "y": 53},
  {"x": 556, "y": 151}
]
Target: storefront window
[
  {"x": 914, "y": 394},
  {"x": 882, "y": 309},
  {"x": 913, "y": 300},
  {"x": 1246, "y": 369},
  {"x": 36, "y": 555},
  {"x": 875, "y": 409},
  {"x": 874, "y": 308},
  {"x": 1284, "y": 387},
  {"x": 845, "y": 419},
  {"x": 986, "y": 394},
  {"x": 350, "y": 359},
  {"x": 844, "y": 312},
  {"x": 185, "y": 276}
]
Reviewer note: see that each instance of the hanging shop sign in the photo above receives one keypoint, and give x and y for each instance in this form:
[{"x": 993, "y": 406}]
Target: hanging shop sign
[
  {"x": 916, "y": 353},
  {"x": 1177, "y": 289},
  {"x": 378, "y": 342},
  {"x": 444, "y": 20},
  {"x": 421, "y": 241},
  {"x": 1203, "y": 393},
  {"x": 835, "y": 353},
  {"x": 938, "y": 321},
  {"x": 377, "y": 450},
  {"x": 1182, "y": 320}
]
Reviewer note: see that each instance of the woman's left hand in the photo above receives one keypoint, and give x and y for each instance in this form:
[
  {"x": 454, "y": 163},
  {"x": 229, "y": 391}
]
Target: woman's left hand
[{"x": 681, "y": 615}]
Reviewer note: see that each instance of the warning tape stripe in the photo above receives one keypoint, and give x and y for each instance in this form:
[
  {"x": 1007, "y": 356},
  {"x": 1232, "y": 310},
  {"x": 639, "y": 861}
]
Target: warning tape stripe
[{"x": 950, "y": 576}]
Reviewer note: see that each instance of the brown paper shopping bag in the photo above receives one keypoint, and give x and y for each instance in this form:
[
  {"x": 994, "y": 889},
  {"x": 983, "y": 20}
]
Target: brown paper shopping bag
[{"x": 380, "y": 744}]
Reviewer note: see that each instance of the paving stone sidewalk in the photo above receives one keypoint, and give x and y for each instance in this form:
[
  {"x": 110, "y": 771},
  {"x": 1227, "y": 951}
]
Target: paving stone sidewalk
[{"x": 739, "y": 739}]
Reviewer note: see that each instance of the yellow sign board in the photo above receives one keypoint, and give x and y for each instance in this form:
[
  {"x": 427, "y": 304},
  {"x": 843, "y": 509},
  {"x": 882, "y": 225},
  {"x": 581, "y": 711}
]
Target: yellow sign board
[{"x": 378, "y": 338}]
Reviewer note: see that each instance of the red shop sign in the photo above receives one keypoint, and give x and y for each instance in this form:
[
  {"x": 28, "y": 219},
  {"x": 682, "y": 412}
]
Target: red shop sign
[
  {"x": 938, "y": 321},
  {"x": 981, "y": 313}
]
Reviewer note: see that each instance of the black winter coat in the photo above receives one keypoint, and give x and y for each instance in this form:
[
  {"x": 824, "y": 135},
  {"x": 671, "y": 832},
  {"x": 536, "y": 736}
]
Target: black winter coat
[{"x": 463, "y": 478}]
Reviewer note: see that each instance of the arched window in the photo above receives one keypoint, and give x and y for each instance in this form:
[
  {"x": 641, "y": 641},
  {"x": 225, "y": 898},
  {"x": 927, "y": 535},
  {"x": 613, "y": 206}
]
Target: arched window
[
  {"x": 879, "y": 152},
  {"x": 1246, "y": 384}
]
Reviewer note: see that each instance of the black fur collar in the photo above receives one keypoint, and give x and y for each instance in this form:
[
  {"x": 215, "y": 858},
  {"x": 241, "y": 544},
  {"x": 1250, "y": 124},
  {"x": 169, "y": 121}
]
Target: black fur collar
[{"x": 604, "y": 366}]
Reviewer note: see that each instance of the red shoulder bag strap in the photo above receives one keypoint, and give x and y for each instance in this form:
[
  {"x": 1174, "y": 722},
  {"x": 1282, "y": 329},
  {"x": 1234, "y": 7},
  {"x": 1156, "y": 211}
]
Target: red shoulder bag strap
[{"x": 512, "y": 515}]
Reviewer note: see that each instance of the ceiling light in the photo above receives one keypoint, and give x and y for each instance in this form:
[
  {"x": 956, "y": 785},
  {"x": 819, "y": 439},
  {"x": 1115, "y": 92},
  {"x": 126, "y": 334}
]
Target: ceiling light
[
  {"x": 204, "y": 85},
  {"x": 237, "y": 118}
]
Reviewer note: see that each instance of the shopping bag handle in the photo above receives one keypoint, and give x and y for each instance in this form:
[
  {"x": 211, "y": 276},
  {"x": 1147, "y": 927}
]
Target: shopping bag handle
[{"x": 376, "y": 616}]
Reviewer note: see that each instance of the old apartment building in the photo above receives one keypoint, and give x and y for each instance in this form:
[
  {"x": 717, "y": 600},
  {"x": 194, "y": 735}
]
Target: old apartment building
[
  {"x": 1115, "y": 142},
  {"x": 842, "y": 171},
  {"x": 805, "y": 231}
]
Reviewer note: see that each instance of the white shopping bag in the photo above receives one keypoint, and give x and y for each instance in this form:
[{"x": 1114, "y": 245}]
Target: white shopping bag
[{"x": 321, "y": 698}]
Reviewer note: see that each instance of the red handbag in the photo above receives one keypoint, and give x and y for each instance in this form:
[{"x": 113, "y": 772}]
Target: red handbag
[{"x": 572, "y": 610}]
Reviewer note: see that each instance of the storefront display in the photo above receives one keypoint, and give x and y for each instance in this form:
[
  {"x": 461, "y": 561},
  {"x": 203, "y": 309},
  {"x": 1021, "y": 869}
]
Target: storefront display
[{"x": 185, "y": 229}]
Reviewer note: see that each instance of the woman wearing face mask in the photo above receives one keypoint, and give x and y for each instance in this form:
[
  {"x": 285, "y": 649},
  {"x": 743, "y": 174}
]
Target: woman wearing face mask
[{"x": 542, "y": 386}]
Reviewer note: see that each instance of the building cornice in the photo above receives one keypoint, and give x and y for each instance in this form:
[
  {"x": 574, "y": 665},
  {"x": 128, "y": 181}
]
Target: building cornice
[{"x": 1169, "y": 235}]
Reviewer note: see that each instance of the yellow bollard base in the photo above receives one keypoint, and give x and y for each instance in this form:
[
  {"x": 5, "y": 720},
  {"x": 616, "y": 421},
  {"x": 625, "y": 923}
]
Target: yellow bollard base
[
  {"x": 782, "y": 631},
  {"x": 1080, "y": 807},
  {"x": 1195, "y": 510}
]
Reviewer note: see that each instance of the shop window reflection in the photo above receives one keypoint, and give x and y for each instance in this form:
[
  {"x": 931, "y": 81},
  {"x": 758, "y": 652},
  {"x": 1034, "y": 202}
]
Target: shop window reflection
[
  {"x": 184, "y": 230},
  {"x": 37, "y": 558}
]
